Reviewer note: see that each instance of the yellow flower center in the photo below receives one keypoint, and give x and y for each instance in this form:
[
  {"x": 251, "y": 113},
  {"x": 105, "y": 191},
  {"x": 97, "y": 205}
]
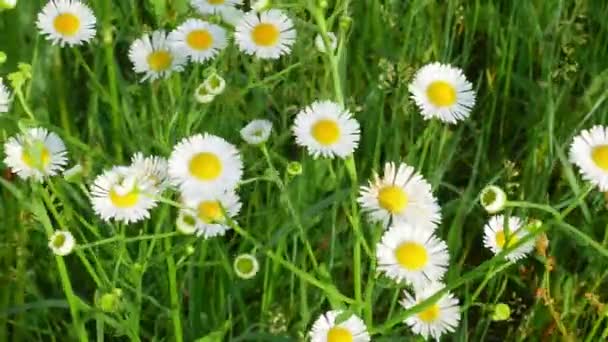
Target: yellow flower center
[
  {"x": 411, "y": 256},
  {"x": 36, "y": 157},
  {"x": 127, "y": 200},
  {"x": 393, "y": 199},
  {"x": 600, "y": 156},
  {"x": 205, "y": 166},
  {"x": 501, "y": 240},
  {"x": 265, "y": 34},
  {"x": 199, "y": 39},
  {"x": 66, "y": 24},
  {"x": 441, "y": 94},
  {"x": 429, "y": 314},
  {"x": 209, "y": 211},
  {"x": 326, "y": 132},
  {"x": 215, "y": 2},
  {"x": 339, "y": 334},
  {"x": 160, "y": 60}
]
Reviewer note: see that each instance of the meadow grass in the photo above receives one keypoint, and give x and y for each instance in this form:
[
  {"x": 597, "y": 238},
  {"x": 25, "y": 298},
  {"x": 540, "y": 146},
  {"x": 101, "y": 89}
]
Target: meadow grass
[{"x": 540, "y": 70}]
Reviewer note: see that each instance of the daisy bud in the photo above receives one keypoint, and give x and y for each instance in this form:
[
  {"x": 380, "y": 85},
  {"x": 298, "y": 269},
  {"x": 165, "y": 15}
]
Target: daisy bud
[
  {"x": 502, "y": 312},
  {"x": 185, "y": 223},
  {"x": 320, "y": 43},
  {"x": 202, "y": 95},
  {"x": 232, "y": 15},
  {"x": 493, "y": 199},
  {"x": 73, "y": 174},
  {"x": 256, "y": 132},
  {"x": 7, "y": 4},
  {"x": 215, "y": 84},
  {"x": 62, "y": 242},
  {"x": 246, "y": 266},
  {"x": 294, "y": 168},
  {"x": 261, "y": 5},
  {"x": 110, "y": 302}
]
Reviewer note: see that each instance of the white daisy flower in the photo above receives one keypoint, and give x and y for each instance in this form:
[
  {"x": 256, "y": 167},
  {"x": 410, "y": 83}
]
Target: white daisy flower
[
  {"x": 67, "y": 22},
  {"x": 256, "y": 132},
  {"x": 232, "y": 16},
  {"x": 205, "y": 163},
  {"x": 206, "y": 209},
  {"x": 62, "y": 242},
  {"x": 442, "y": 91},
  {"x": 495, "y": 237},
  {"x": 155, "y": 56},
  {"x": 320, "y": 43},
  {"x": 152, "y": 169},
  {"x": 400, "y": 195},
  {"x": 267, "y": 35},
  {"x": 412, "y": 254},
  {"x": 440, "y": 318},
  {"x": 214, "y": 6},
  {"x": 246, "y": 266},
  {"x": 327, "y": 329},
  {"x": 327, "y": 130},
  {"x": 35, "y": 153},
  {"x": 199, "y": 40},
  {"x": 123, "y": 195},
  {"x": 5, "y": 97},
  {"x": 589, "y": 151}
]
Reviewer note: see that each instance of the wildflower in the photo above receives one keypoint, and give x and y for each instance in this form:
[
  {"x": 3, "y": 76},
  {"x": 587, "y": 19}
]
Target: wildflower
[
  {"x": 202, "y": 95},
  {"x": 267, "y": 35},
  {"x": 435, "y": 320},
  {"x": 412, "y": 254},
  {"x": 155, "y": 56},
  {"x": 185, "y": 223},
  {"x": 35, "y": 153},
  {"x": 205, "y": 162},
  {"x": 256, "y": 132},
  {"x": 327, "y": 328},
  {"x": 68, "y": 22},
  {"x": 246, "y": 266},
  {"x": 442, "y": 91},
  {"x": 260, "y": 5},
  {"x": 589, "y": 151},
  {"x": 326, "y": 129},
  {"x": 214, "y": 6},
  {"x": 151, "y": 169},
  {"x": 496, "y": 239},
  {"x": 122, "y": 194},
  {"x": 232, "y": 16},
  {"x": 215, "y": 84},
  {"x": 5, "y": 97},
  {"x": 198, "y": 40},
  {"x": 208, "y": 212},
  {"x": 62, "y": 242},
  {"x": 400, "y": 195},
  {"x": 320, "y": 43},
  {"x": 493, "y": 199}
]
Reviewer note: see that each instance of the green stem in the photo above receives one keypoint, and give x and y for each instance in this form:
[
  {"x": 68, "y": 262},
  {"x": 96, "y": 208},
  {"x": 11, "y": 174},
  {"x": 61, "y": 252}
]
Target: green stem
[{"x": 173, "y": 292}]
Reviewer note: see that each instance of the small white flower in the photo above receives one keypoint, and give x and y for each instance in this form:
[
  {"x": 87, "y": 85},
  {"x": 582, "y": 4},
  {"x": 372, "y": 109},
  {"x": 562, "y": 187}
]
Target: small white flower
[
  {"x": 232, "y": 16},
  {"x": 62, "y": 242},
  {"x": 5, "y": 97},
  {"x": 496, "y": 239},
  {"x": 202, "y": 95},
  {"x": 199, "y": 40},
  {"x": 400, "y": 195},
  {"x": 205, "y": 163},
  {"x": 215, "y": 84},
  {"x": 155, "y": 57},
  {"x": 35, "y": 153},
  {"x": 442, "y": 91},
  {"x": 589, "y": 151},
  {"x": 152, "y": 169},
  {"x": 256, "y": 132},
  {"x": 327, "y": 130},
  {"x": 320, "y": 43},
  {"x": 122, "y": 194},
  {"x": 327, "y": 329},
  {"x": 412, "y": 254},
  {"x": 67, "y": 22},
  {"x": 246, "y": 266},
  {"x": 493, "y": 199},
  {"x": 206, "y": 209},
  {"x": 214, "y": 6},
  {"x": 437, "y": 319},
  {"x": 185, "y": 223},
  {"x": 267, "y": 35}
]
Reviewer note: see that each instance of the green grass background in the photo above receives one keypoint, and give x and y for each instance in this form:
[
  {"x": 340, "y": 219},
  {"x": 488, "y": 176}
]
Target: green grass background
[{"x": 540, "y": 69}]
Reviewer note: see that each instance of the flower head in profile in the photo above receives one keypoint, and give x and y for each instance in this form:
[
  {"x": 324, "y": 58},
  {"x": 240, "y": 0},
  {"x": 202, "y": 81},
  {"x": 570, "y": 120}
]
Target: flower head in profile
[
  {"x": 67, "y": 22},
  {"x": 256, "y": 132},
  {"x": 268, "y": 35},
  {"x": 5, "y": 97},
  {"x": 320, "y": 43}
]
